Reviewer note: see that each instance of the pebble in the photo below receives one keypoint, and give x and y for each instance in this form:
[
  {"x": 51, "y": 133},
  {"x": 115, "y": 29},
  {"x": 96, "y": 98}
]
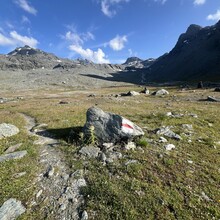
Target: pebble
[{"x": 169, "y": 147}]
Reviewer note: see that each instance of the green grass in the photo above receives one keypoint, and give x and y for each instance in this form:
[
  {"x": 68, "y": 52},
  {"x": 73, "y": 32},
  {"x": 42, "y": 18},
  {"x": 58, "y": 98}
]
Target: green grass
[{"x": 160, "y": 185}]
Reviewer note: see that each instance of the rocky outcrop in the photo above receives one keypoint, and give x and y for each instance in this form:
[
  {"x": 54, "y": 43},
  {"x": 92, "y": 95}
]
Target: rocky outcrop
[{"x": 108, "y": 127}]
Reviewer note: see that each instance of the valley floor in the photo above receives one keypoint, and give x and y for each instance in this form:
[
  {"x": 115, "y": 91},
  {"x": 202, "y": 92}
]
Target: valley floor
[{"x": 148, "y": 182}]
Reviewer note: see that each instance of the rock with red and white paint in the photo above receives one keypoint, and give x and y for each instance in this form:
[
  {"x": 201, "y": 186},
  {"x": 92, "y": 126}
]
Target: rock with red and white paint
[{"x": 109, "y": 127}]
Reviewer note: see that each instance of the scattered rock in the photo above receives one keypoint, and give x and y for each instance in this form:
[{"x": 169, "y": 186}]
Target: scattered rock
[
  {"x": 160, "y": 92},
  {"x": 18, "y": 175},
  {"x": 145, "y": 91},
  {"x": 12, "y": 156},
  {"x": 130, "y": 146},
  {"x": 90, "y": 151},
  {"x": 130, "y": 162},
  {"x": 170, "y": 114},
  {"x": 63, "y": 102},
  {"x": 39, "y": 193},
  {"x": 133, "y": 93},
  {"x": 84, "y": 215},
  {"x": 49, "y": 172},
  {"x": 187, "y": 127},
  {"x": 11, "y": 209},
  {"x": 92, "y": 95},
  {"x": 190, "y": 161},
  {"x": 7, "y": 130},
  {"x": 110, "y": 128},
  {"x": 13, "y": 148},
  {"x": 205, "y": 197},
  {"x": 167, "y": 132},
  {"x": 212, "y": 99},
  {"x": 162, "y": 140},
  {"x": 111, "y": 156},
  {"x": 193, "y": 115},
  {"x": 169, "y": 147}
]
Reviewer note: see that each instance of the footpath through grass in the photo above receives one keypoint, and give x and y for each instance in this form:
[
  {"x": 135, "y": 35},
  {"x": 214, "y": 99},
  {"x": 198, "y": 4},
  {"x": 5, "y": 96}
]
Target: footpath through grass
[{"x": 180, "y": 184}]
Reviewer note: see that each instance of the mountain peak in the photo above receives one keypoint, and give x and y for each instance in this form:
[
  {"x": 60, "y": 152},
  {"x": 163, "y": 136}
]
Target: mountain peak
[
  {"x": 193, "y": 29},
  {"x": 25, "y": 50}
]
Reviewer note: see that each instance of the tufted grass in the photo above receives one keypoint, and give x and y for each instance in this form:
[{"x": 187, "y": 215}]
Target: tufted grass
[{"x": 161, "y": 185}]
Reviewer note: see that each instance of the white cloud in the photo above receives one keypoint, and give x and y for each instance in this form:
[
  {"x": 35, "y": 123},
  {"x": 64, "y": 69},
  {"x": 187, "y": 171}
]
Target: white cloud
[
  {"x": 26, "y": 6},
  {"x": 5, "y": 41},
  {"x": 16, "y": 39},
  {"x": 78, "y": 38},
  {"x": 23, "y": 40},
  {"x": 95, "y": 56},
  {"x": 118, "y": 42},
  {"x": 25, "y": 19},
  {"x": 106, "y": 6},
  {"x": 214, "y": 17},
  {"x": 161, "y": 1},
  {"x": 199, "y": 2}
]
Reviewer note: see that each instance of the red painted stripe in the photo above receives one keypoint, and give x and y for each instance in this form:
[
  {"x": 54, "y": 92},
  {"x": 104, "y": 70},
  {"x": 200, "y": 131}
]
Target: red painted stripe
[{"x": 127, "y": 126}]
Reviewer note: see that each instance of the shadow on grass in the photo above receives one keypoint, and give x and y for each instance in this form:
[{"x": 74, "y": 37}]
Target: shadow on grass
[{"x": 70, "y": 134}]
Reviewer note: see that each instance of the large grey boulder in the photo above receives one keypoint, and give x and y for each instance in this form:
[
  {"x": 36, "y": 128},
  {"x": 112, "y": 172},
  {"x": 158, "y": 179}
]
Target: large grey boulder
[
  {"x": 108, "y": 127},
  {"x": 11, "y": 209},
  {"x": 7, "y": 130}
]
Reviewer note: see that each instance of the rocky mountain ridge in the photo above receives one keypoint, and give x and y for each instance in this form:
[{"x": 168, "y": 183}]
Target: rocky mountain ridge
[{"x": 196, "y": 56}]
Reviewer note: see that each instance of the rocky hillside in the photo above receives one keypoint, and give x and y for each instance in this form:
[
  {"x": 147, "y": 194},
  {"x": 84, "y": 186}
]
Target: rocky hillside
[
  {"x": 137, "y": 63},
  {"x": 196, "y": 56},
  {"x": 27, "y": 58}
]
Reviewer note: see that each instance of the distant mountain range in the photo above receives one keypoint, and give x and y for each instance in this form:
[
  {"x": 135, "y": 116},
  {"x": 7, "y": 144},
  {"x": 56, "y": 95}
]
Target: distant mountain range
[{"x": 195, "y": 57}]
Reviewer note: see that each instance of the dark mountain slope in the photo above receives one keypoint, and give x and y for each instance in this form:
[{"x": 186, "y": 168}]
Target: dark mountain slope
[{"x": 196, "y": 56}]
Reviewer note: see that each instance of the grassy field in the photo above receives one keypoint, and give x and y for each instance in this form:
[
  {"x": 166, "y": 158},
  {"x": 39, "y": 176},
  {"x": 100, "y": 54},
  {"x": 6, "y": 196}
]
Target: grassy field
[{"x": 180, "y": 184}]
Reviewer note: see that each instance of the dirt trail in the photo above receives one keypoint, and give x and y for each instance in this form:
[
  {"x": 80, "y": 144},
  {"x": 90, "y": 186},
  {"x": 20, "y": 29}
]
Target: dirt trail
[{"x": 59, "y": 189}]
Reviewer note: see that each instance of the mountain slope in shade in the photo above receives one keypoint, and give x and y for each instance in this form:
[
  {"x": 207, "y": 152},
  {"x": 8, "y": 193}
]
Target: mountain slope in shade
[{"x": 196, "y": 56}]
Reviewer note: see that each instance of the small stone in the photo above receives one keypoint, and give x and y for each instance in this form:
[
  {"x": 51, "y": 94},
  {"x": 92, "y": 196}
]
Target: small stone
[
  {"x": 205, "y": 197},
  {"x": 50, "y": 172},
  {"x": 130, "y": 162},
  {"x": 11, "y": 209},
  {"x": 63, "y": 102},
  {"x": 167, "y": 132},
  {"x": 130, "y": 146},
  {"x": 168, "y": 114},
  {"x": 13, "y": 156},
  {"x": 190, "y": 161},
  {"x": 187, "y": 126},
  {"x": 169, "y": 147},
  {"x": 103, "y": 157},
  {"x": 90, "y": 151},
  {"x": 133, "y": 93},
  {"x": 84, "y": 215},
  {"x": 17, "y": 175},
  {"x": 8, "y": 130},
  {"x": 39, "y": 193},
  {"x": 63, "y": 207},
  {"x": 162, "y": 140},
  {"x": 160, "y": 92},
  {"x": 13, "y": 148}
]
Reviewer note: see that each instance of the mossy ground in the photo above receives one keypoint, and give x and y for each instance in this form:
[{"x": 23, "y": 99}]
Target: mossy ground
[{"x": 161, "y": 185}]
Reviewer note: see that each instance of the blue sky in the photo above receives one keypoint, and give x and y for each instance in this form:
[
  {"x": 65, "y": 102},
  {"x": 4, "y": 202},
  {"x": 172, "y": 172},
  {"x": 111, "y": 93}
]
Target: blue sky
[{"x": 101, "y": 30}]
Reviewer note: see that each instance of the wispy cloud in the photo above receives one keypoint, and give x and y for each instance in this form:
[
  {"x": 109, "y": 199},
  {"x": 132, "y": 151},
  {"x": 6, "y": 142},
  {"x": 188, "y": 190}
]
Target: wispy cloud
[
  {"x": 95, "y": 56},
  {"x": 25, "y": 19},
  {"x": 199, "y": 2},
  {"x": 161, "y": 1},
  {"x": 214, "y": 17},
  {"x": 78, "y": 38},
  {"x": 15, "y": 39},
  {"x": 26, "y": 6},
  {"x": 118, "y": 42},
  {"x": 107, "y": 6}
]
